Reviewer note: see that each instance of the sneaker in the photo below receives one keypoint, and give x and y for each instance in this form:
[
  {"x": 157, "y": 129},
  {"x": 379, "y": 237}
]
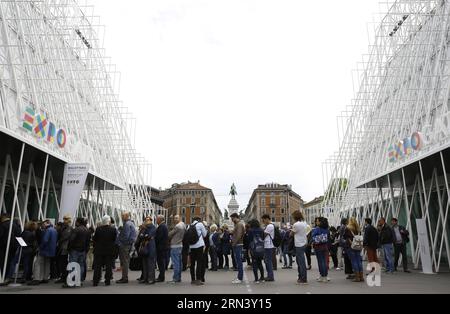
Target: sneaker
[
  {"x": 407, "y": 271},
  {"x": 257, "y": 282},
  {"x": 323, "y": 280},
  {"x": 236, "y": 282},
  {"x": 172, "y": 282},
  {"x": 122, "y": 281},
  {"x": 269, "y": 280},
  {"x": 337, "y": 269}
]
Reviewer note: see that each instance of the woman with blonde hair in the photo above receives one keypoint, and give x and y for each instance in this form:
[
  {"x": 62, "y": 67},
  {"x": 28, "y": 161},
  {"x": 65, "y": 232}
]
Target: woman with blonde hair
[{"x": 353, "y": 237}]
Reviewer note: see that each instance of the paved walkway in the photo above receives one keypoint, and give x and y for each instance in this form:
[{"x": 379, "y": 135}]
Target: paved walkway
[{"x": 220, "y": 283}]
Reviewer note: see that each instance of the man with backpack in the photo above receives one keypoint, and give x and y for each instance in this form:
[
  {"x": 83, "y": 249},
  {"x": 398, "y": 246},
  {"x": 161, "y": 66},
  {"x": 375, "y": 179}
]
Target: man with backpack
[
  {"x": 194, "y": 238},
  {"x": 237, "y": 243},
  {"x": 269, "y": 246}
]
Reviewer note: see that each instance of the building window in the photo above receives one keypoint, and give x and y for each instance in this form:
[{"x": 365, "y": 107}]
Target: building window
[
  {"x": 193, "y": 210},
  {"x": 273, "y": 211},
  {"x": 272, "y": 201},
  {"x": 283, "y": 201},
  {"x": 263, "y": 194},
  {"x": 283, "y": 211},
  {"x": 183, "y": 211},
  {"x": 183, "y": 201},
  {"x": 283, "y": 220},
  {"x": 202, "y": 210},
  {"x": 263, "y": 202}
]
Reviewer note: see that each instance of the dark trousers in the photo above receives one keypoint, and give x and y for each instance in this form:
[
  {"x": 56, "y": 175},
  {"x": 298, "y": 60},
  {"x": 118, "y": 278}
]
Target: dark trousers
[
  {"x": 233, "y": 259},
  {"x": 99, "y": 262},
  {"x": 213, "y": 257},
  {"x": 322, "y": 262},
  {"x": 55, "y": 272},
  {"x": 347, "y": 264},
  {"x": 204, "y": 265},
  {"x": 247, "y": 257},
  {"x": 400, "y": 249},
  {"x": 226, "y": 261},
  {"x": 257, "y": 265},
  {"x": 148, "y": 268},
  {"x": 196, "y": 256},
  {"x": 28, "y": 266},
  {"x": 184, "y": 257},
  {"x": 220, "y": 260},
  {"x": 333, "y": 253},
  {"x": 274, "y": 259},
  {"x": 62, "y": 261},
  {"x": 161, "y": 260},
  {"x": 308, "y": 255}
]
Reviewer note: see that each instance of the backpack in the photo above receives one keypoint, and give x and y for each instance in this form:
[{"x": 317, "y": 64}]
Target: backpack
[
  {"x": 257, "y": 247},
  {"x": 277, "y": 238},
  {"x": 191, "y": 235},
  {"x": 342, "y": 241},
  {"x": 357, "y": 243}
]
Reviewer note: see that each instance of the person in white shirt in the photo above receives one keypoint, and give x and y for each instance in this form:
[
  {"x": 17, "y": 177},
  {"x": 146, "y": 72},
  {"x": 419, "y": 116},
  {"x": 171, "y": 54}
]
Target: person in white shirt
[
  {"x": 300, "y": 233},
  {"x": 196, "y": 253},
  {"x": 269, "y": 235}
]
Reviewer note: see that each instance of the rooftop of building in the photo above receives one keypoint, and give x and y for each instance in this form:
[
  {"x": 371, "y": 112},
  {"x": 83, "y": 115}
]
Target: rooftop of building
[{"x": 315, "y": 201}]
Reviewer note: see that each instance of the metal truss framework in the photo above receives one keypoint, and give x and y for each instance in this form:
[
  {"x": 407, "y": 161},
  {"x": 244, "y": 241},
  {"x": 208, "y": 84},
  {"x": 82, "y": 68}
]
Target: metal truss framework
[
  {"x": 404, "y": 87},
  {"x": 52, "y": 60}
]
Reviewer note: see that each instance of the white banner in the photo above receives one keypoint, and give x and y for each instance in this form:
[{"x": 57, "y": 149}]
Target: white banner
[
  {"x": 75, "y": 176},
  {"x": 424, "y": 246}
]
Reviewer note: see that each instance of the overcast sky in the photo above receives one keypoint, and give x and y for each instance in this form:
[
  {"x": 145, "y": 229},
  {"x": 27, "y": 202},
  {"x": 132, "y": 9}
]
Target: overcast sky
[{"x": 243, "y": 91}]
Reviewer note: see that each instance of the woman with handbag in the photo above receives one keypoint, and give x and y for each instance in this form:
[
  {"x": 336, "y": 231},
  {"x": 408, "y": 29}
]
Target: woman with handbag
[
  {"x": 355, "y": 243},
  {"x": 147, "y": 250}
]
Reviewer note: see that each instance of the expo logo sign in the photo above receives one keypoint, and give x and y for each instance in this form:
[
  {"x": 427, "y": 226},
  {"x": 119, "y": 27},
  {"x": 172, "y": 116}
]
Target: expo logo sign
[
  {"x": 40, "y": 126},
  {"x": 406, "y": 147}
]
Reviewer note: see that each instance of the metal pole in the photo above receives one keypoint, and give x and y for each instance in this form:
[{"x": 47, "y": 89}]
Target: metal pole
[{"x": 12, "y": 214}]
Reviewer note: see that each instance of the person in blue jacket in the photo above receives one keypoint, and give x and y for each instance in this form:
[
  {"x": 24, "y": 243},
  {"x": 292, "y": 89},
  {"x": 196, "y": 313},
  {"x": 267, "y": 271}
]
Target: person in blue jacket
[
  {"x": 147, "y": 250},
  {"x": 226, "y": 246},
  {"x": 47, "y": 250},
  {"x": 257, "y": 261},
  {"x": 320, "y": 238}
]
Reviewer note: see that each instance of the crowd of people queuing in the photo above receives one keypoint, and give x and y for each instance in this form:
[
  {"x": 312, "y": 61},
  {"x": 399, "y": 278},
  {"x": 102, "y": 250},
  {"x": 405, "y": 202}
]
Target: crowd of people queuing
[{"x": 153, "y": 247}]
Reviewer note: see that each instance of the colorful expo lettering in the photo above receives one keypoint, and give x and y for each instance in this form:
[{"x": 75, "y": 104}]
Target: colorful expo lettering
[
  {"x": 405, "y": 147},
  {"x": 39, "y": 125}
]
